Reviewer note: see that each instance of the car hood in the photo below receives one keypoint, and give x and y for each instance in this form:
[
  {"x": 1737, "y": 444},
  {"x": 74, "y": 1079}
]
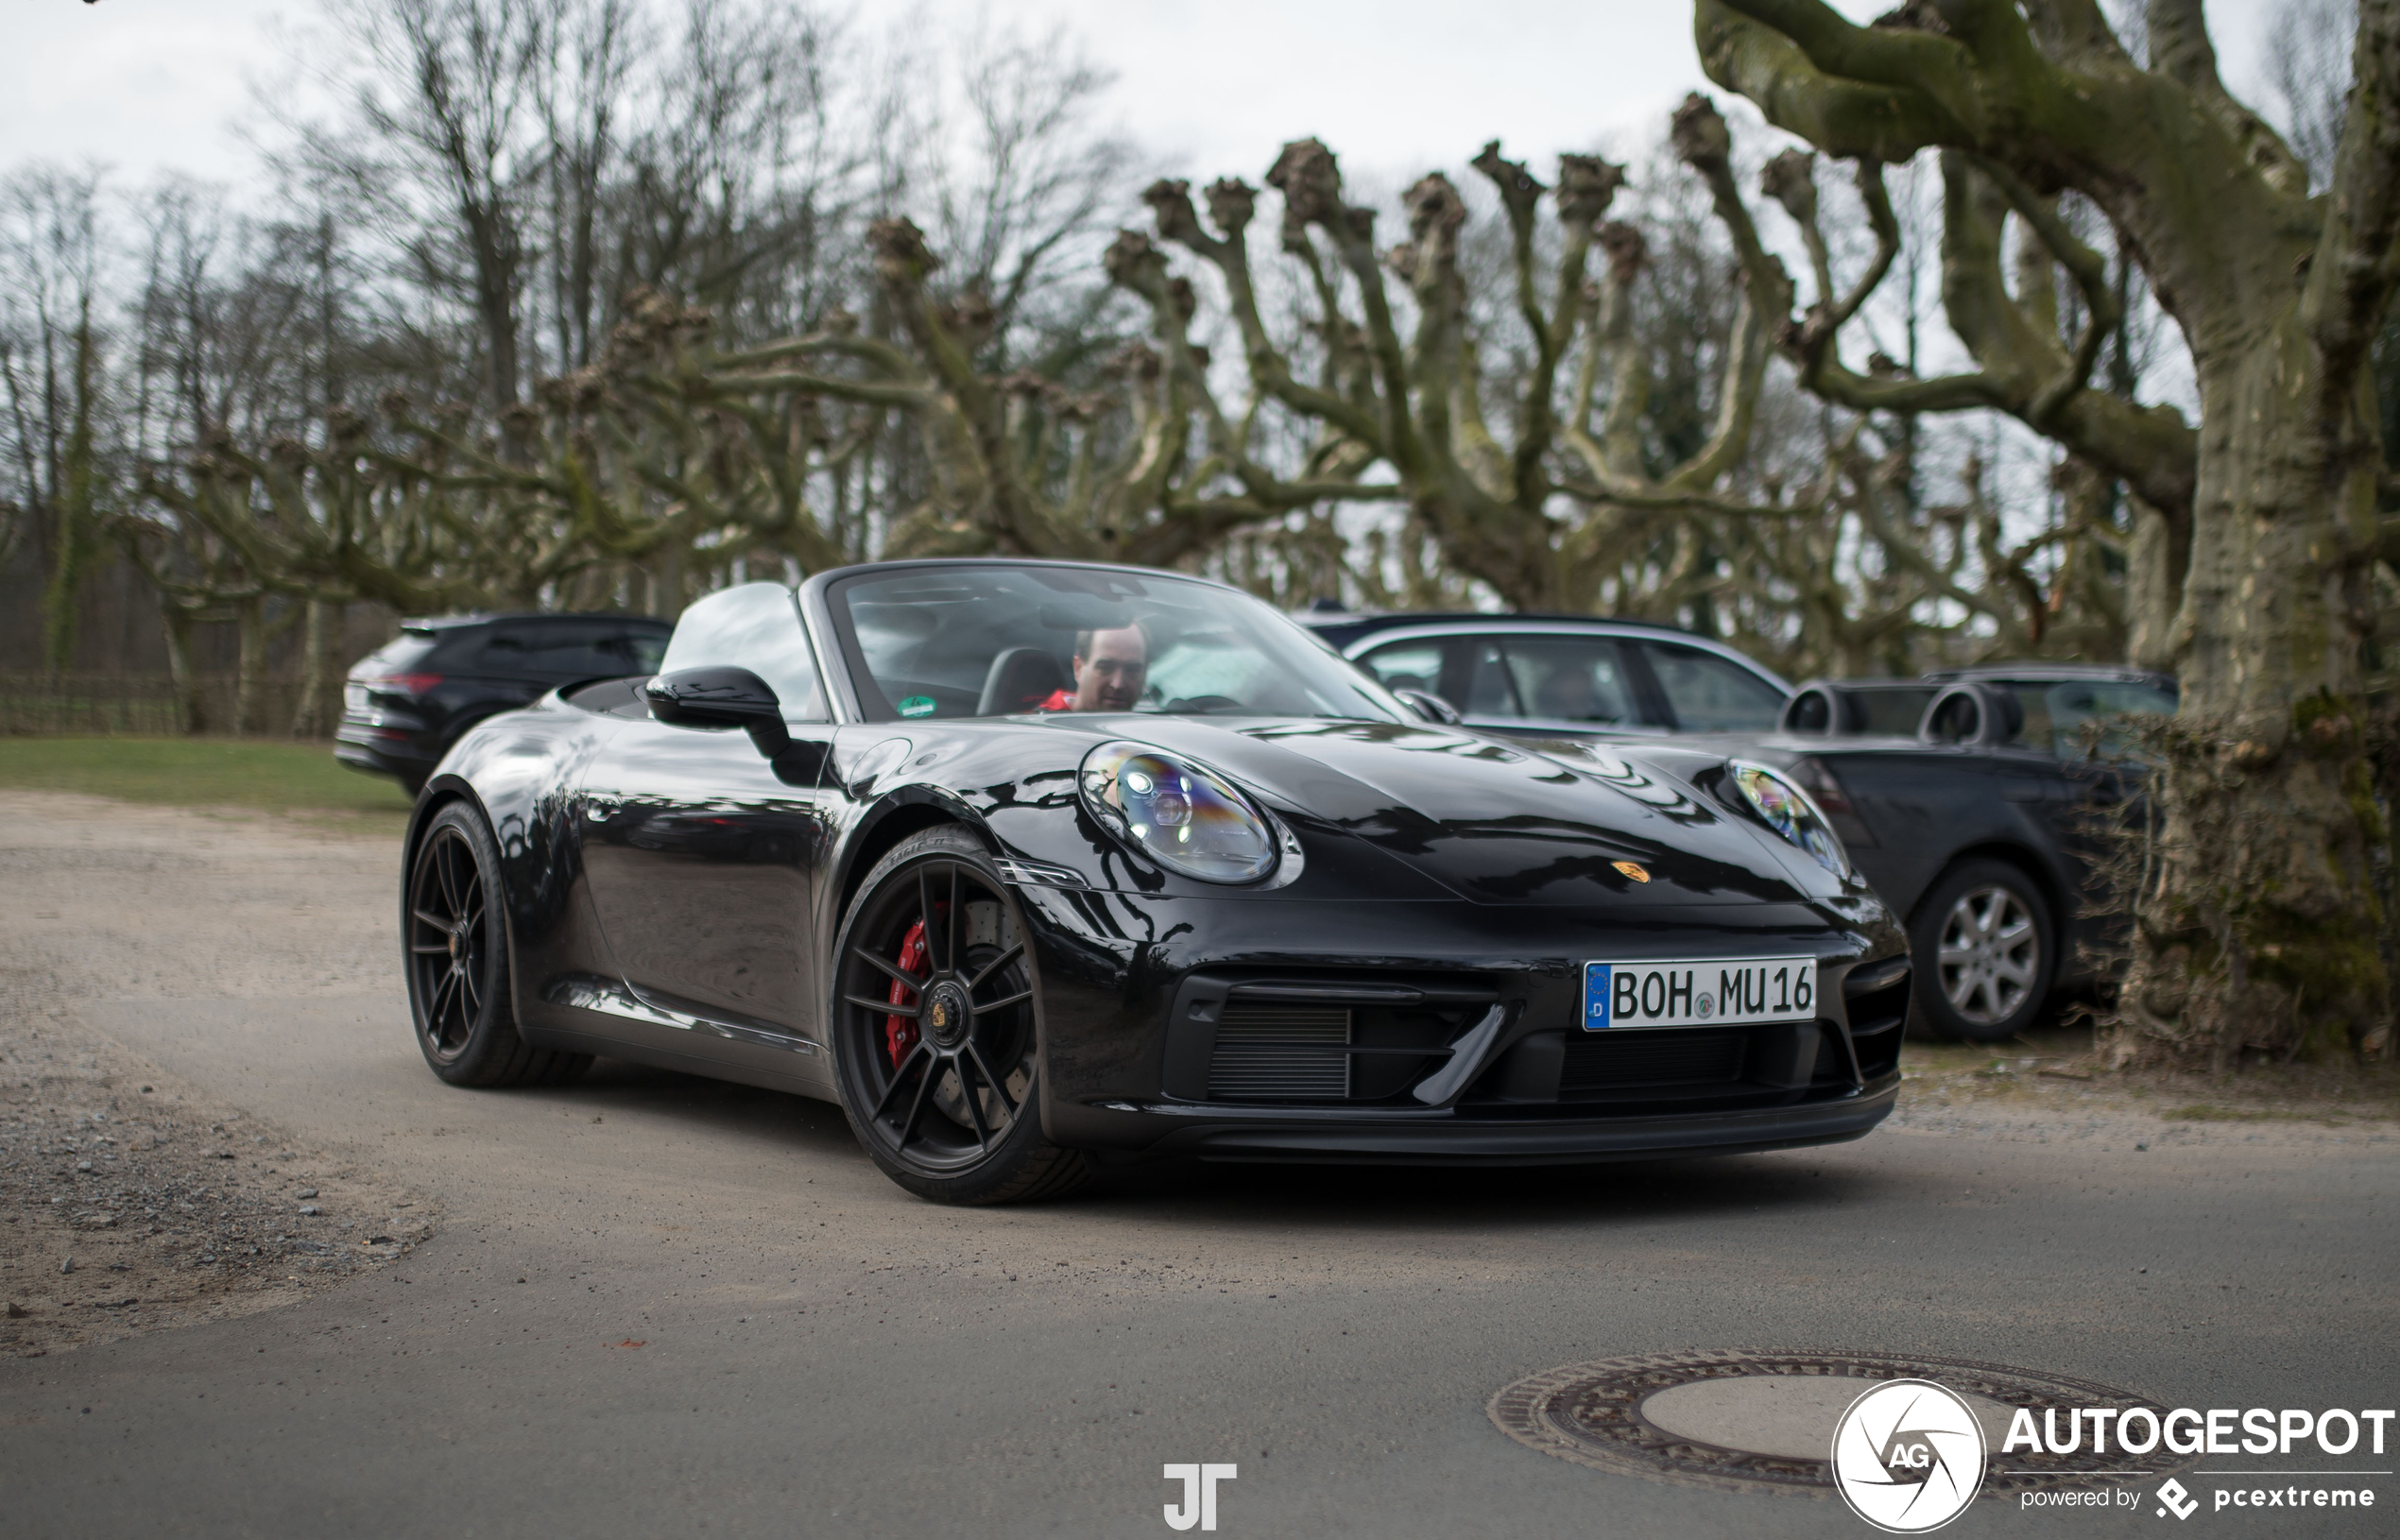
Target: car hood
[{"x": 1491, "y": 820}]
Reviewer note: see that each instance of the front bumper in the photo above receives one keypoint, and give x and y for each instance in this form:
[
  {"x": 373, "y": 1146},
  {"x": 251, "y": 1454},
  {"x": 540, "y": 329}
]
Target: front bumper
[
  {"x": 1462, "y": 1138},
  {"x": 1441, "y": 1033}
]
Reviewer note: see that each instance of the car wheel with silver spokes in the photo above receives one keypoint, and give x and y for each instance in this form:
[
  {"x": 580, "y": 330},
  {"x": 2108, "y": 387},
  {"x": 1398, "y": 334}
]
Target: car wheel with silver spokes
[
  {"x": 1984, "y": 953},
  {"x": 936, "y": 1040}
]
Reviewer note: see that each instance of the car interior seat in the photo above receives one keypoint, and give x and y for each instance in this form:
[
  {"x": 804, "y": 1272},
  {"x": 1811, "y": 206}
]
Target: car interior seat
[{"x": 1021, "y": 679}]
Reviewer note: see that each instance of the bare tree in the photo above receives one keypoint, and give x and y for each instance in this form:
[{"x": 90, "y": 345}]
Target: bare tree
[
  {"x": 439, "y": 149},
  {"x": 2264, "y": 929},
  {"x": 52, "y": 371},
  {"x": 991, "y": 146}
]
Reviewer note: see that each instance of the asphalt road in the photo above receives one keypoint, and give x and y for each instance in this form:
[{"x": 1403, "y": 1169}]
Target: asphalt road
[{"x": 661, "y": 1305}]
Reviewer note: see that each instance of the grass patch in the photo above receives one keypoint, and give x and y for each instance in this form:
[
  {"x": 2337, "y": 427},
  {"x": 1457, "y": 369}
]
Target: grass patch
[{"x": 281, "y": 778}]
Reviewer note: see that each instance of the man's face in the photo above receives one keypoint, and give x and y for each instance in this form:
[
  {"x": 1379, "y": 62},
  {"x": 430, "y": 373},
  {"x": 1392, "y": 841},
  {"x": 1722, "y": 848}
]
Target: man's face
[{"x": 1111, "y": 679}]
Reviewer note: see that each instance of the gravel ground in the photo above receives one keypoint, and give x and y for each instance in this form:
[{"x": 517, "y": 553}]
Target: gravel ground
[{"x": 130, "y": 1201}]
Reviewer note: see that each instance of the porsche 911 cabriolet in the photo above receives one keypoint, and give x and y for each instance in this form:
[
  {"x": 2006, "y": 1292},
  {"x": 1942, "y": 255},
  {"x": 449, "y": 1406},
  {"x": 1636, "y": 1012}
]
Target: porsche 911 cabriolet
[{"x": 1032, "y": 866}]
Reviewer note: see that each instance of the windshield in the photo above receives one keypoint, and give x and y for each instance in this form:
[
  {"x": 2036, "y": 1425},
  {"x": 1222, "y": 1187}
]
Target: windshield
[
  {"x": 2055, "y": 713},
  {"x": 987, "y": 639}
]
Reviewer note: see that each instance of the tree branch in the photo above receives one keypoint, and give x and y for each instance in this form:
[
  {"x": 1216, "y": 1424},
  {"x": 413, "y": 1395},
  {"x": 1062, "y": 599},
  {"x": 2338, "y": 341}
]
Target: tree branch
[{"x": 2356, "y": 262}]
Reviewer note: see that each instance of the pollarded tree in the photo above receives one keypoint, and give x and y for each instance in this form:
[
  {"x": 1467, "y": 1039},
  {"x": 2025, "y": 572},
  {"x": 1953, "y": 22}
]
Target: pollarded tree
[
  {"x": 1547, "y": 435},
  {"x": 2263, "y": 927},
  {"x": 1537, "y": 484}
]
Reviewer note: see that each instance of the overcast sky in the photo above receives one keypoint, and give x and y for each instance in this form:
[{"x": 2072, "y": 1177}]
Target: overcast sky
[{"x": 1206, "y": 86}]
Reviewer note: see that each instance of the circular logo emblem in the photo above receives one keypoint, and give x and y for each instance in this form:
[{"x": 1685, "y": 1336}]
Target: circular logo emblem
[
  {"x": 1908, "y": 1456},
  {"x": 945, "y": 1013}
]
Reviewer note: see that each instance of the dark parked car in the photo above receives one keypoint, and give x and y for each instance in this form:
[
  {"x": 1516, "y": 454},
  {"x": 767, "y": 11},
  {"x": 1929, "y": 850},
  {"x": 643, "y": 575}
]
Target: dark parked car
[
  {"x": 409, "y": 700},
  {"x": 1974, "y": 820},
  {"x": 1026, "y": 863},
  {"x": 1561, "y": 674}
]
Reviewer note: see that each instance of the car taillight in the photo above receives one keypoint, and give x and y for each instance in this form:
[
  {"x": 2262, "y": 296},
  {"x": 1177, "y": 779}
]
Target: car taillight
[
  {"x": 1822, "y": 785},
  {"x": 405, "y": 684}
]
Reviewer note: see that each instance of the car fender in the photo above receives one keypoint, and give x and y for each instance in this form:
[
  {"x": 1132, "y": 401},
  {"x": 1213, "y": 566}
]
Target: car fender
[
  {"x": 870, "y": 829},
  {"x": 520, "y": 770}
]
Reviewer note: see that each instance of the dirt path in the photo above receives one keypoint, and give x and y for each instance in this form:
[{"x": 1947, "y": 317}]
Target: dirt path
[{"x": 131, "y": 1200}]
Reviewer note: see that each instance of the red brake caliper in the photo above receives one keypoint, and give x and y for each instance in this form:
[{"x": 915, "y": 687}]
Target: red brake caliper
[{"x": 899, "y": 1033}]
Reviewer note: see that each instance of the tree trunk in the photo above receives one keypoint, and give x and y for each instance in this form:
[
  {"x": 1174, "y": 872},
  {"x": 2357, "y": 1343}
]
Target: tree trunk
[
  {"x": 308, "y": 714},
  {"x": 2155, "y": 571},
  {"x": 191, "y": 709},
  {"x": 2262, "y": 930},
  {"x": 250, "y": 622},
  {"x": 77, "y": 536}
]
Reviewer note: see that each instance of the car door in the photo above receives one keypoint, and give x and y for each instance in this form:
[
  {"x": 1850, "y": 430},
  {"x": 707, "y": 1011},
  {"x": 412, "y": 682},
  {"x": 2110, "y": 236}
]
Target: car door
[{"x": 699, "y": 850}]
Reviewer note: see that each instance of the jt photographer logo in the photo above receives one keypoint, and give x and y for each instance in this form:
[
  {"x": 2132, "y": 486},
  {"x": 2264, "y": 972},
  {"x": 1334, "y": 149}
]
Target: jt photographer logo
[
  {"x": 1199, "y": 1505},
  {"x": 1908, "y": 1456}
]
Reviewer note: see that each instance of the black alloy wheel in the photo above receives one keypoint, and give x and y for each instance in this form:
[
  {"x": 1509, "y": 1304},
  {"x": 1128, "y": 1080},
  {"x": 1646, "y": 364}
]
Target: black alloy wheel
[
  {"x": 458, "y": 960},
  {"x": 1984, "y": 952},
  {"x": 937, "y": 1032}
]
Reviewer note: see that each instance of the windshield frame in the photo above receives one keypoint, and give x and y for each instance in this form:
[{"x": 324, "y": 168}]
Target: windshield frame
[{"x": 830, "y": 627}]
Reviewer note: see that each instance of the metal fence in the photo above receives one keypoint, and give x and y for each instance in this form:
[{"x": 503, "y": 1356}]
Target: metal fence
[{"x": 145, "y": 705}]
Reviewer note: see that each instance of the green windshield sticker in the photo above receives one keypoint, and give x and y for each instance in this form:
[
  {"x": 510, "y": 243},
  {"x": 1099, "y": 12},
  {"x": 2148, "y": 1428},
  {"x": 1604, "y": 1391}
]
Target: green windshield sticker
[{"x": 918, "y": 706}]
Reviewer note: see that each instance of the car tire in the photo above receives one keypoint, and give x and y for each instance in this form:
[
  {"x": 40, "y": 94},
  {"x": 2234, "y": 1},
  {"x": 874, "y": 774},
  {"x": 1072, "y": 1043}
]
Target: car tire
[
  {"x": 941, "y": 1082},
  {"x": 1985, "y": 951},
  {"x": 454, "y": 940}
]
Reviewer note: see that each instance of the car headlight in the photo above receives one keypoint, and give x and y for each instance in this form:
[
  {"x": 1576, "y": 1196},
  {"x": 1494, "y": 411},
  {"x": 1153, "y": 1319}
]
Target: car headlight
[
  {"x": 1188, "y": 819},
  {"x": 1788, "y": 812}
]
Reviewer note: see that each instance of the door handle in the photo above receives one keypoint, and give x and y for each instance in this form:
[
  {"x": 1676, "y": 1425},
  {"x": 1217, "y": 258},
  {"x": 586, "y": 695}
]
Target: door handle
[{"x": 599, "y": 810}]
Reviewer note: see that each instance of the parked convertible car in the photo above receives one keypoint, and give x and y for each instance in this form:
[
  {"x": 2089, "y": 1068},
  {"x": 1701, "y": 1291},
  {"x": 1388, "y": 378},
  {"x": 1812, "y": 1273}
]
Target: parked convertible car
[
  {"x": 1969, "y": 798},
  {"x": 1028, "y": 864}
]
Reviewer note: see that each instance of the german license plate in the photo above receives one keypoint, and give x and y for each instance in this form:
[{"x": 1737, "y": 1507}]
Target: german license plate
[{"x": 1717, "y": 992}]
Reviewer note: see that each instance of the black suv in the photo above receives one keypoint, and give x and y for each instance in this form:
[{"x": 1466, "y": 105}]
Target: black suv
[{"x": 409, "y": 700}]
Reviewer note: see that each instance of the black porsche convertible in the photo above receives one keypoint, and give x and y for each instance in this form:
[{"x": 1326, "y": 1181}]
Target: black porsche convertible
[{"x": 1030, "y": 864}]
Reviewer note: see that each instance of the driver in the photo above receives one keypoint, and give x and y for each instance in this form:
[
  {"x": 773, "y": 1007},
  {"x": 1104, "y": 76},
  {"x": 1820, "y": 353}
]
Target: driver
[{"x": 1110, "y": 669}]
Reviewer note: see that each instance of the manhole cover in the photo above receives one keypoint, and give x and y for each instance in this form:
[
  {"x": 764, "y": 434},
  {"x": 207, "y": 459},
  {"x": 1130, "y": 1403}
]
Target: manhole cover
[{"x": 1749, "y": 1422}]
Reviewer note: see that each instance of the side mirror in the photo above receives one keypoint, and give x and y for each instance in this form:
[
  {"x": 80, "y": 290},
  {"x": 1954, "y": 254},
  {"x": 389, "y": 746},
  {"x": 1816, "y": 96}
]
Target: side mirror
[
  {"x": 1432, "y": 707},
  {"x": 720, "y": 695}
]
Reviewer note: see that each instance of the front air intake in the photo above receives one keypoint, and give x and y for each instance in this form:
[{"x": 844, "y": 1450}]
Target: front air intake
[
  {"x": 1603, "y": 1065},
  {"x": 1281, "y": 1053}
]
